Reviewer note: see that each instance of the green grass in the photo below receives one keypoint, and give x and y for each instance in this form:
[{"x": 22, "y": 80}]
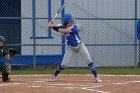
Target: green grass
[
  {"x": 120, "y": 71},
  {"x": 113, "y": 71}
]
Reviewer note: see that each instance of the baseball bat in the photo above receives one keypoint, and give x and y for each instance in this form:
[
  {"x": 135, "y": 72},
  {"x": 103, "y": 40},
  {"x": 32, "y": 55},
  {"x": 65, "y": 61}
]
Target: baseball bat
[{"x": 58, "y": 12}]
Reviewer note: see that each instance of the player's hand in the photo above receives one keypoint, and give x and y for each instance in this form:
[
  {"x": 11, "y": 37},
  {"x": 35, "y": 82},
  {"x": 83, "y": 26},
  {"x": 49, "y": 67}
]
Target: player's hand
[{"x": 50, "y": 24}]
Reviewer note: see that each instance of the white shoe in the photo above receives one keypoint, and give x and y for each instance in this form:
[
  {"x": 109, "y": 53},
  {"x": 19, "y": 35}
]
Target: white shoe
[
  {"x": 98, "y": 80},
  {"x": 53, "y": 78}
]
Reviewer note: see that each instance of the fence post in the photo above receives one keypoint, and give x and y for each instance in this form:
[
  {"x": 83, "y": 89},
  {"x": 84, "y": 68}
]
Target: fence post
[
  {"x": 34, "y": 32},
  {"x": 135, "y": 49}
]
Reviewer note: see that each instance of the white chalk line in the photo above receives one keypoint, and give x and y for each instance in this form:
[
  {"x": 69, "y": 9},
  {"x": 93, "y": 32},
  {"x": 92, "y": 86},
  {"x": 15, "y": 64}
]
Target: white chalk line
[
  {"x": 127, "y": 82},
  {"x": 83, "y": 87},
  {"x": 72, "y": 85},
  {"x": 94, "y": 90},
  {"x": 87, "y": 87},
  {"x": 10, "y": 84}
]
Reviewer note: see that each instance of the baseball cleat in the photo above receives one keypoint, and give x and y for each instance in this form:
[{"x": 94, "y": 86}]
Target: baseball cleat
[
  {"x": 7, "y": 80},
  {"x": 98, "y": 80},
  {"x": 53, "y": 78}
]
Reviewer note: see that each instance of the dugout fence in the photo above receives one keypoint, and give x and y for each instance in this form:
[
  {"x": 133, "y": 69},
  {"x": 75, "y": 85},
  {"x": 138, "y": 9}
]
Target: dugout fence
[{"x": 108, "y": 28}]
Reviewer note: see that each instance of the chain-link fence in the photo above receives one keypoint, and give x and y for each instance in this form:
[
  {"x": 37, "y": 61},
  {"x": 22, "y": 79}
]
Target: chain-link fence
[{"x": 107, "y": 27}]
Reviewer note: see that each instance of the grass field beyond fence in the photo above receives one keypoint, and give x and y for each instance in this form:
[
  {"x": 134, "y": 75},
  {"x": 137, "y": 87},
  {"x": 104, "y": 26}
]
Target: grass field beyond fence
[{"x": 112, "y": 71}]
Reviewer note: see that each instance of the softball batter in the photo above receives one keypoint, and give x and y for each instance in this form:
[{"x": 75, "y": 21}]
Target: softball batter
[{"x": 74, "y": 45}]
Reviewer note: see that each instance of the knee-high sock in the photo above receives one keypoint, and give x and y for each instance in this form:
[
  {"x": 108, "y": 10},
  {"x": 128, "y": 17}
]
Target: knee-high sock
[
  {"x": 93, "y": 69},
  {"x": 58, "y": 70}
]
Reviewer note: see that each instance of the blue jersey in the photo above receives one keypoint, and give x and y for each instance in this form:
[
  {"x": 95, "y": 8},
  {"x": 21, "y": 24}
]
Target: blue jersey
[{"x": 72, "y": 38}]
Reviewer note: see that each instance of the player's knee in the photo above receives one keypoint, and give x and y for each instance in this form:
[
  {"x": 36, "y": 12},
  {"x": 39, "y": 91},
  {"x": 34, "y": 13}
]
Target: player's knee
[
  {"x": 91, "y": 66},
  {"x": 8, "y": 68},
  {"x": 90, "y": 60},
  {"x": 59, "y": 68},
  {"x": 63, "y": 65}
]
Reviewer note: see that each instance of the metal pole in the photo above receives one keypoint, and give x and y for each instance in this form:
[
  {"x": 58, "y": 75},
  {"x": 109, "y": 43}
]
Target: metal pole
[
  {"x": 34, "y": 32},
  {"x": 139, "y": 56},
  {"x": 63, "y": 39},
  {"x": 135, "y": 48},
  {"x": 49, "y": 17}
]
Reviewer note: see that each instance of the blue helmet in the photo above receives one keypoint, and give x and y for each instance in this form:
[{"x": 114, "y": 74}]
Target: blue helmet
[{"x": 67, "y": 17}]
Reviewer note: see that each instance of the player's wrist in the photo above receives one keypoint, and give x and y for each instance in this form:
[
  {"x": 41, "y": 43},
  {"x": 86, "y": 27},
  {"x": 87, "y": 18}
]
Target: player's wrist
[
  {"x": 51, "y": 26},
  {"x": 55, "y": 28}
]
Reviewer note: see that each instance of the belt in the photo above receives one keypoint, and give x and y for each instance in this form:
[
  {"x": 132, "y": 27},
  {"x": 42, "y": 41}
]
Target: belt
[{"x": 74, "y": 44}]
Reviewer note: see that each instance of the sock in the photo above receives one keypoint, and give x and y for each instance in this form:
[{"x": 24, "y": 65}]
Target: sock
[
  {"x": 58, "y": 70},
  {"x": 93, "y": 69},
  {"x": 94, "y": 72}
]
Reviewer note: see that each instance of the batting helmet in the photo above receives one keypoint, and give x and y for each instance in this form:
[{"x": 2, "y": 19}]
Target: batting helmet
[
  {"x": 2, "y": 38},
  {"x": 67, "y": 17}
]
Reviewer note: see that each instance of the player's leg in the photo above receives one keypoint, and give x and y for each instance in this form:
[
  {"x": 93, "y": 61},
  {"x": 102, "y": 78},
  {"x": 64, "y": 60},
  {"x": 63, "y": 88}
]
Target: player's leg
[
  {"x": 58, "y": 70},
  {"x": 66, "y": 60},
  {"x": 94, "y": 72},
  {"x": 0, "y": 68},
  {"x": 85, "y": 55},
  {"x": 6, "y": 69}
]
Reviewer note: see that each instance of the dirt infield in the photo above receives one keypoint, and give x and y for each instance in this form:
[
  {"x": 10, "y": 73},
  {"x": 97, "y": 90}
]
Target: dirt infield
[{"x": 72, "y": 84}]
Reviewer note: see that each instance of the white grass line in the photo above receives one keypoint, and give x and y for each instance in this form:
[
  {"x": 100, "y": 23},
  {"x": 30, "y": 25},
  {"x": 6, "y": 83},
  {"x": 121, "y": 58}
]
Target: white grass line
[
  {"x": 133, "y": 82},
  {"x": 123, "y": 82},
  {"x": 86, "y": 87},
  {"x": 95, "y": 90},
  {"x": 62, "y": 84},
  {"x": 34, "y": 86},
  {"x": 39, "y": 81},
  {"x": 11, "y": 84},
  {"x": 4, "y": 84}
]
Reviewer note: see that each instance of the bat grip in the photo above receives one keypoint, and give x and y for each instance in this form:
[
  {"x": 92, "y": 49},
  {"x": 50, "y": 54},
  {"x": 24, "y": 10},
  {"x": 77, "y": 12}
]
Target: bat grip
[{"x": 54, "y": 17}]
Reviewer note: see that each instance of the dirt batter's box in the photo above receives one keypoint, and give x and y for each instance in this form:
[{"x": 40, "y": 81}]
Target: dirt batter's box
[{"x": 72, "y": 84}]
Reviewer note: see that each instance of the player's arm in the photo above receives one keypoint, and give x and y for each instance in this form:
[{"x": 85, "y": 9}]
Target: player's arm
[
  {"x": 61, "y": 30},
  {"x": 66, "y": 30}
]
